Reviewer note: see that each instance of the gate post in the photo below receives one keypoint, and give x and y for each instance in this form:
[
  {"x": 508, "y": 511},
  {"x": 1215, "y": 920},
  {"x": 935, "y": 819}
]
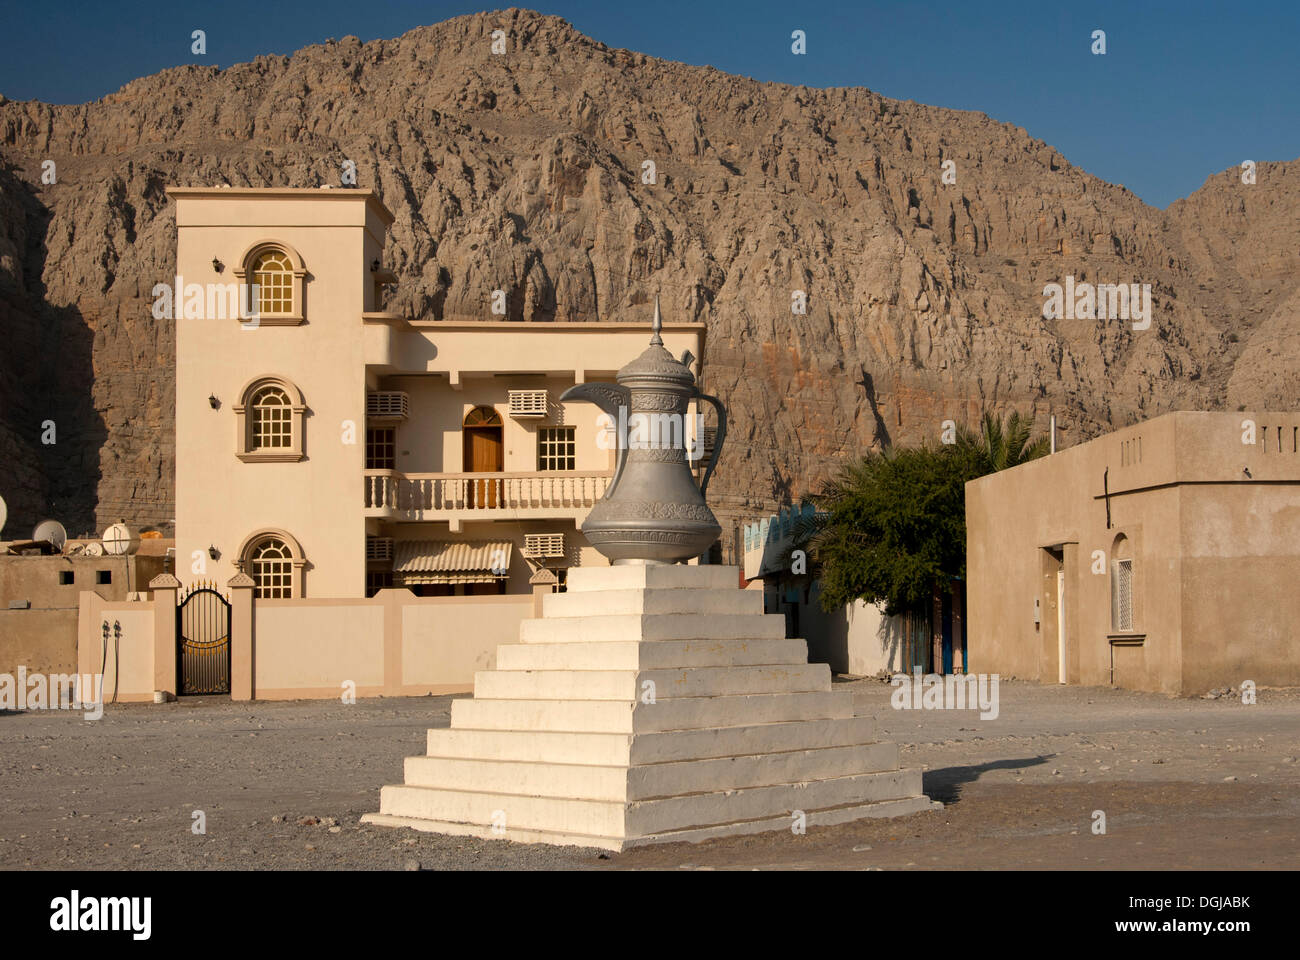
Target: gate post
[
  {"x": 164, "y": 587},
  {"x": 543, "y": 583},
  {"x": 241, "y": 636}
]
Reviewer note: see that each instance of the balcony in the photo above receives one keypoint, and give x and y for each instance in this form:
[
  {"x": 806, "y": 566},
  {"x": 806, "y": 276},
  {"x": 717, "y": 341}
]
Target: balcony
[{"x": 457, "y": 497}]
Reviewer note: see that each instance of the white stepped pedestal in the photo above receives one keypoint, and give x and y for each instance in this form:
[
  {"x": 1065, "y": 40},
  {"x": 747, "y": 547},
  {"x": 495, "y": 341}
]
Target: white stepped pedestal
[{"x": 650, "y": 704}]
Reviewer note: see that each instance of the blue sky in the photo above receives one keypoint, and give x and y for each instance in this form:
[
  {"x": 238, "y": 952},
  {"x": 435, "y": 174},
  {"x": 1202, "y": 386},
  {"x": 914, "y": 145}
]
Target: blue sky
[{"x": 1186, "y": 89}]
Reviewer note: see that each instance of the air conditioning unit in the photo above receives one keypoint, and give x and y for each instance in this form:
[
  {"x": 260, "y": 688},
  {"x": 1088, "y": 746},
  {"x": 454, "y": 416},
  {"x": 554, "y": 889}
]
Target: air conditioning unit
[
  {"x": 707, "y": 448},
  {"x": 379, "y": 548},
  {"x": 528, "y": 403},
  {"x": 387, "y": 405},
  {"x": 541, "y": 546}
]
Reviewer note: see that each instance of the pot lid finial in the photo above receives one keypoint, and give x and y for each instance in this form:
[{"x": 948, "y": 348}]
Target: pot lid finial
[
  {"x": 656, "y": 325},
  {"x": 655, "y": 362}
]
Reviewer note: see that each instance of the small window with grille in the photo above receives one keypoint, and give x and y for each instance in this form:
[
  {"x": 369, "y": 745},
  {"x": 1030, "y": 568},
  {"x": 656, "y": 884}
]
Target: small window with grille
[
  {"x": 1123, "y": 595},
  {"x": 556, "y": 448},
  {"x": 379, "y": 548},
  {"x": 377, "y": 580},
  {"x": 381, "y": 448}
]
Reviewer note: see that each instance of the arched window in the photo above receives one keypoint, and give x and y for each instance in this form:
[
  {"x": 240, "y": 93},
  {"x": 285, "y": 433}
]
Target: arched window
[
  {"x": 1123, "y": 604},
  {"x": 276, "y": 272},
  {"x": 273, "y": 275},
  {"x": 271, "y": 567},
  {"x": 482, "y": 417},
  {"x": 271, "y": 416},
  {"x": 272, "y": 419},
  {"x": 274, "y": 561}
]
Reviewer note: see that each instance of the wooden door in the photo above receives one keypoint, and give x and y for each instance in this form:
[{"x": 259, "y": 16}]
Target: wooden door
[{"x": 484, "y": 453}]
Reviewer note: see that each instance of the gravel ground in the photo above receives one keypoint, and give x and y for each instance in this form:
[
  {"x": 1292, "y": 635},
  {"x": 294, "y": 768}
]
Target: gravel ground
[{"x": 1183, "y": 783}]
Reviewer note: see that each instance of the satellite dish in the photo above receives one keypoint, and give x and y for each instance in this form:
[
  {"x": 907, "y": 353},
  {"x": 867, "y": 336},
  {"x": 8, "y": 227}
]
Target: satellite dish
[
  {"x": 4, "y": 514},
  {"x": 94, "y": 549},
  {"x": 121, "y": 540},
  {"x": 52, "y": 531}
]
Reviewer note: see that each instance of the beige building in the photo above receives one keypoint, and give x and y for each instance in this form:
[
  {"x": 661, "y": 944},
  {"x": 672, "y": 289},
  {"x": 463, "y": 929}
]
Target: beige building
[
  {"x": 328, "y": 448},
  {"x": 366, "y": 504},
  {"x": 1161, "y": 557}
]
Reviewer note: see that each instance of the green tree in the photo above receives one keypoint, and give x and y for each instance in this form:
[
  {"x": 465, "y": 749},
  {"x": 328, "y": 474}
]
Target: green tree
[{"x": 892, "y": 525}]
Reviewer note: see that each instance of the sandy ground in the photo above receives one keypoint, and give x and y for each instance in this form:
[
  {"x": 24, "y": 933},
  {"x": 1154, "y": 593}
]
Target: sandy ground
[{"x": 1183, "y": 783}]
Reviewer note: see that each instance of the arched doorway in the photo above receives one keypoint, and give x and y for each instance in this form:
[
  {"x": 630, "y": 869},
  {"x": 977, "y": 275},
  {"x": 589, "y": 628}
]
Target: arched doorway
[{"x": 484, "y": 452}]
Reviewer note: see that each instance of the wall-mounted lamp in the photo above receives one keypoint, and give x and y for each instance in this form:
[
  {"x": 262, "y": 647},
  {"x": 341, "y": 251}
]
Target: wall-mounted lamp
[
  {"x": 217, "y": 265},
  {"x": 213, "y": 402},
  {"x": 213, "y": 552}
]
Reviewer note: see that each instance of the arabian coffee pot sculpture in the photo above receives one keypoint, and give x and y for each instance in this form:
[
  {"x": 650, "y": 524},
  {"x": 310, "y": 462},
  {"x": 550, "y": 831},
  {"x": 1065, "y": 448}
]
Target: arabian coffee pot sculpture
[{"x": 652, "y": 511}]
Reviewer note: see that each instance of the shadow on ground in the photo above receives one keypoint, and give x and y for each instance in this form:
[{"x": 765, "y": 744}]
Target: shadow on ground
[{"x": 945, "y": 784}]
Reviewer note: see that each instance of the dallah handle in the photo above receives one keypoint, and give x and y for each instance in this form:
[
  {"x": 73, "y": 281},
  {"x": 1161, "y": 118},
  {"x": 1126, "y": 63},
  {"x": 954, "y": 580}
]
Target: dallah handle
[{"x": 722, "y": 437}]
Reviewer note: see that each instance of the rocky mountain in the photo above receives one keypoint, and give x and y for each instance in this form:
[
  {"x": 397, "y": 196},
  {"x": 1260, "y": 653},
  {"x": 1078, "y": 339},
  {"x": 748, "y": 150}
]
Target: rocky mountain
[{"x": 526, "y": 171}]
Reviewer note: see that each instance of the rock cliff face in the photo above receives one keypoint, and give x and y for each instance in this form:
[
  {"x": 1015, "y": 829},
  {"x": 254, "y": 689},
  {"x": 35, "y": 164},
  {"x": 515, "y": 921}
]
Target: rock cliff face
[{"x": 526, "y": 172}]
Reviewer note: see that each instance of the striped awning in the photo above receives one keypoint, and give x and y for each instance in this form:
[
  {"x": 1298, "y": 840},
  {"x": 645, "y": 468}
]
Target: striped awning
[{"x": 460, "y": 561}]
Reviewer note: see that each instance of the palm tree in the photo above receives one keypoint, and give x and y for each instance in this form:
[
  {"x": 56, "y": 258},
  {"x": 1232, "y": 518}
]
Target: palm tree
[{"x": 1000, "y": 448}]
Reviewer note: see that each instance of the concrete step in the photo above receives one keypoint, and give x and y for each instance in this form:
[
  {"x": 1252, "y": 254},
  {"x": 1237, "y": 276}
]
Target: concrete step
[
  {"x": 575, "y": 781},
  {"x": 675, "y": 576},
  {"x": 671, "y": 745},
  {"x": 621, "y": 716},
  {"x": 485, "y": 832},
  {"x": 618, "y": 820},
  {"x": 650, "y": 684},
  {"x": 589, "y": 716},
  {"x": 599, "y": 603},
  {"x": 649, "y": 654},
  {"x": 679, "y": 813},
  {"x": 647, "y": 781},
  {"x": 591, "y": 782},
  {"x": 599, "y": 818},
  {"x": 544, "y": 746},
  {"x": 669, "y": 626},
  {"x": 815, "y": 818},
  {"x": 623, "y": 749}
]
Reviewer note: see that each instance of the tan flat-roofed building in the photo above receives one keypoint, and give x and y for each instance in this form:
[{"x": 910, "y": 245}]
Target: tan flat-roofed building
[{"x": 1164, "y": 557}]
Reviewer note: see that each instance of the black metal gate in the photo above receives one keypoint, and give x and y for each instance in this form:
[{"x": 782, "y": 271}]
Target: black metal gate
[{"x": 203, "y": 641}]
